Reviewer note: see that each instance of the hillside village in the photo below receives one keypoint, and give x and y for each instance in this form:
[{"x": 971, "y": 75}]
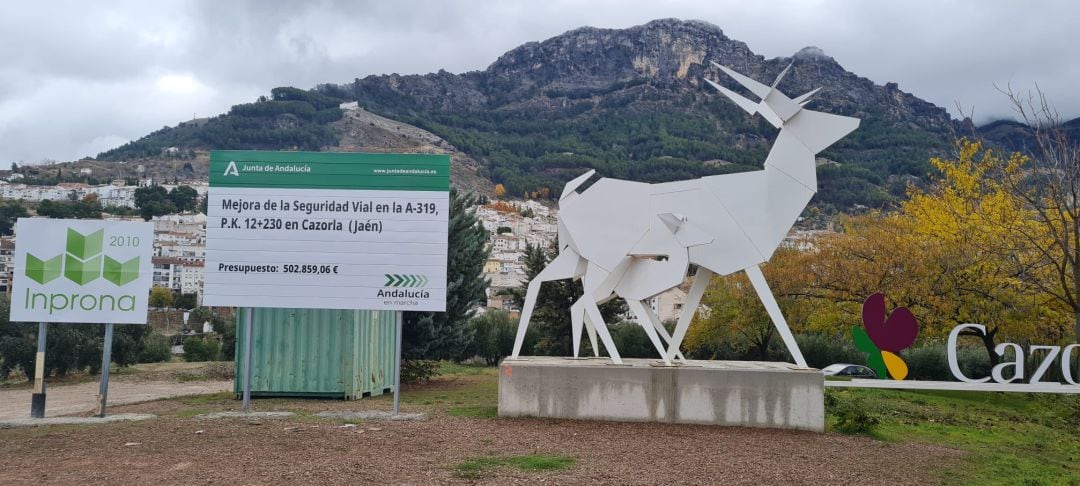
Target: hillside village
[{"x": 179, "y": 239}]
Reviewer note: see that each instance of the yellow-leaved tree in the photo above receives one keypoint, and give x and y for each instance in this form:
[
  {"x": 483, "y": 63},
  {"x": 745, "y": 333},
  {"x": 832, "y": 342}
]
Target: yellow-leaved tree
[{"x": 958, "y": 251}]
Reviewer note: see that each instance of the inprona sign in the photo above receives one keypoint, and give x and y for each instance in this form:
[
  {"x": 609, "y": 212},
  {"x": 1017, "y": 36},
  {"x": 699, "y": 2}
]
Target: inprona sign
[{"x": 81, "y": 271}]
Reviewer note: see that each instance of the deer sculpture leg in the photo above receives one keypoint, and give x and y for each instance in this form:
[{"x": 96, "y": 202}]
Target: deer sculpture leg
[
  {"x": 592, "y": 312},
  {"x": 693, "y": 299},
  {"x": 566, "y": 265},
  {"x": 653, "y": 327},
  {"x": 766, "y": 296},
  {"x": 597, "y": 284},
  {"x": 645, "y": 321},
  {"x": 578, "y": 318}
]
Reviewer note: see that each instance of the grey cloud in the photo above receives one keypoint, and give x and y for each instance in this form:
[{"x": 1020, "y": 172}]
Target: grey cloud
[{"x": 76, "y": 76}]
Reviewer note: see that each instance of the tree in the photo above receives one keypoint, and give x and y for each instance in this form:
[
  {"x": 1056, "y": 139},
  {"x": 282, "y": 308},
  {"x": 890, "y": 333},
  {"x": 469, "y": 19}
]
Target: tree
[
  {"x": 184, "y": 198},
  {"x": 161, "y": 298},
  {"x": 736, "y": 324},
  {"x": 153, "y": 201},
  {"x": 445, "y": 335},
  {"x": 958, "y": 251},
  {"x": 185, "y": 301},
  {"x": 1046, "y": 181},
  {"x": 51, "y": 209},
  {"x": 11, "y": 211},
  {"x": 500, "y": 190}
]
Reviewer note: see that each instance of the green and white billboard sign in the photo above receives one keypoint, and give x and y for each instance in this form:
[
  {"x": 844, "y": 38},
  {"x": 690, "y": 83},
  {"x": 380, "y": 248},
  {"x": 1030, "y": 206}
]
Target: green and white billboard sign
[
  {"x": 327, "y": 230},
  {"x": 81, "y": 271}
]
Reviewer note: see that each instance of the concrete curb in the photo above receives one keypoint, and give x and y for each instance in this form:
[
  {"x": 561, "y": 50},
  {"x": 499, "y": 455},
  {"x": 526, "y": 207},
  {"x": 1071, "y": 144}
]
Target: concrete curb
[
  {"x": 242, "y": 415},
  {"x": 33, "y": 422},
  {"x": 372, "y": 415}
]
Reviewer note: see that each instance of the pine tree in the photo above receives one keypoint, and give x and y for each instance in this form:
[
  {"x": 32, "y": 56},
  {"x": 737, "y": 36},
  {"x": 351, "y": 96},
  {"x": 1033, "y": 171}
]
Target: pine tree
[{"x": 445, "y": 335}]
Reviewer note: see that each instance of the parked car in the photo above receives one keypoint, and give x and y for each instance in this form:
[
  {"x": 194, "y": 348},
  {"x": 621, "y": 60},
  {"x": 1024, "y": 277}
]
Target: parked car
[{"x": 848, "y": 371}]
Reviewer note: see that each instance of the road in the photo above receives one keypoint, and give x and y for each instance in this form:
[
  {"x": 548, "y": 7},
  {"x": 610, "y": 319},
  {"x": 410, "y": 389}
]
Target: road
[
  {"x": 82, "y": 397},
  {"x": 955, "y": 386}
]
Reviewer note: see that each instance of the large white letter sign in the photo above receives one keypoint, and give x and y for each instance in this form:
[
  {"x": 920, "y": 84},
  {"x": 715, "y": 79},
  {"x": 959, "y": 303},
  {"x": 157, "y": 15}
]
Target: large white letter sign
[{"x": 954, "y": 365}]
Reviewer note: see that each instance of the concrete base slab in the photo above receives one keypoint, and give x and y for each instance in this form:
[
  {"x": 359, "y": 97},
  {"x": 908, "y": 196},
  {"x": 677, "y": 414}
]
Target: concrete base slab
[
  {"x": 249, "y": 415},
  {"x": 734, "y": 393},
  {"x": 372, "y": 415},
  {"x": 33, "y": 422}
]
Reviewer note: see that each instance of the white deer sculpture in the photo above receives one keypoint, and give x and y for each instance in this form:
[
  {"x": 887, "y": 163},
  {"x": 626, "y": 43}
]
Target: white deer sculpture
[{"x": 636, "y": 240}]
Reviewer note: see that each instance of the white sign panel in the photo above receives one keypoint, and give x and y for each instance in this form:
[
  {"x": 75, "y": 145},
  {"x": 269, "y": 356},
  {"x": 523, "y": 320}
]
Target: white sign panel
[
  {"x": 88, "y": 271},
  {"x": 327, "y": 231}
]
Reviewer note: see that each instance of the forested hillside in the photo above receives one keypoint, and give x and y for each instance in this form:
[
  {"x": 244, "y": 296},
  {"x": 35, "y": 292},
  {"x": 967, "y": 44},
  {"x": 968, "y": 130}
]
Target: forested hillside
[{"x": 630, "y": 103}]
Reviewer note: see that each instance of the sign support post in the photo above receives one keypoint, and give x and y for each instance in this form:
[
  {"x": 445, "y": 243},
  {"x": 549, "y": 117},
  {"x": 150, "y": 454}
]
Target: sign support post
[
  {"x": 106, "y": 362},
  {"x": 397, "y": 362},
  {"x": 37, "y": 401},
  {"x": 248, "y": 317}
]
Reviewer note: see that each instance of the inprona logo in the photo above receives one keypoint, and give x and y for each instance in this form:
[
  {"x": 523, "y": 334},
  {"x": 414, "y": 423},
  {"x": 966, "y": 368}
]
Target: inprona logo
[{"x": 82, "y": 262}]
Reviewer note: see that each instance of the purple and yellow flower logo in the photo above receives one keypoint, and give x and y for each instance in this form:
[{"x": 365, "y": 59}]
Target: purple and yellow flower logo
[{"x": 885, "y": 336}]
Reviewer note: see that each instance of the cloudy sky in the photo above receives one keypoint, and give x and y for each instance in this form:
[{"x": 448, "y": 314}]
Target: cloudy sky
[{"x": 77, "y": 78}]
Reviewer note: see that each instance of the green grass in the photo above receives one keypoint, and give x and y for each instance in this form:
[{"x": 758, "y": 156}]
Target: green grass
[
  {"x": 1012, "y": 438},
  {"x": 472, "y": 387},
  {"x": 479, "y": 466},
  {"x": 450, "y": 368}
]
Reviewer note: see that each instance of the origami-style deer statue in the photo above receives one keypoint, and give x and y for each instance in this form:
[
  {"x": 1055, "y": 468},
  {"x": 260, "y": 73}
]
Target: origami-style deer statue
[{"x": 636, "y": 240}]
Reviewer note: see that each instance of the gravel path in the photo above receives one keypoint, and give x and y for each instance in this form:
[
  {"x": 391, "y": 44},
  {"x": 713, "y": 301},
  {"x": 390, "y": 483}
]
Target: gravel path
[{"x": 82, "y": 397}]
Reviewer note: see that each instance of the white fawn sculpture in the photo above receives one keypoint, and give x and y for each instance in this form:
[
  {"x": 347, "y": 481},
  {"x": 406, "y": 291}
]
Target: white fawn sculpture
[{"x": 636, "y": 240}]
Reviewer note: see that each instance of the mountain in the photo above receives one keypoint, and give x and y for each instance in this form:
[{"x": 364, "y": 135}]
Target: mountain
[
  {"x": 630, "y": 103},
  {"x": 1018, "y": 137}
]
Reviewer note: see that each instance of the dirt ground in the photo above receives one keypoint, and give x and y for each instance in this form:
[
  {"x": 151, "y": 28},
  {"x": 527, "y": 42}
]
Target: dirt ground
[
  {"x": 173, "y": 451},
  {"x": 181, "y": 448},
  {"x": 147, "y": 382}
]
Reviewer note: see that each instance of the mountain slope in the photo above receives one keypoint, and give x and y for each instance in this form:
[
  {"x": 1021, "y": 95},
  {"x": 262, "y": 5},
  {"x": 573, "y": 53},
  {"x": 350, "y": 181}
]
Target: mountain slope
[
  {"x": 628, "y": 102},
  {"x": 632, "y": 103}
]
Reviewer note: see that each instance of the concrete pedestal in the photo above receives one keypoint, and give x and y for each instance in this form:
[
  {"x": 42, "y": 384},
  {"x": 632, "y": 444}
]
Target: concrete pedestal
[{"x": 735, "y": 393}]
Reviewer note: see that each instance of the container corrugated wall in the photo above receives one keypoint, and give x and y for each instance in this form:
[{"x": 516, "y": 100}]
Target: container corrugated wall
[{"x": 318, "y": 352}]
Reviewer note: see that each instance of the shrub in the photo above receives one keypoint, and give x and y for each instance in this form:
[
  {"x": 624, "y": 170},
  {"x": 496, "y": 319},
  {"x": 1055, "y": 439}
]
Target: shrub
[
  {"x": 927, "y": 363},
  {"x": 974, "y": 362},
  {"x": 155, "y": 349},
  {"x": 418, "y": 370},
  {"x": 822, "y": 350},
  {"x": 493, "y": 336},
  {"x": 16, "y": 352},
  {"x": 851, "y": 414},
  {"x": 631, "y": 340},
  {"x": 201, "y": 349}
]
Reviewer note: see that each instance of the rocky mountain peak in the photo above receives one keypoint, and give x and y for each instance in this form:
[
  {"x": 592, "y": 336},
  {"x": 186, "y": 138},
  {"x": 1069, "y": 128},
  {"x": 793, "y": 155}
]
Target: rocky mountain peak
[
  {"x": 812, "y": 53},
  {"x": 590, "y": 56}
]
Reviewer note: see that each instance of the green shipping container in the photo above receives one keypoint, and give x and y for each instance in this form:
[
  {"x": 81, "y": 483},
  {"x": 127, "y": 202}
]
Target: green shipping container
[{"x": 318, "y": 352}]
